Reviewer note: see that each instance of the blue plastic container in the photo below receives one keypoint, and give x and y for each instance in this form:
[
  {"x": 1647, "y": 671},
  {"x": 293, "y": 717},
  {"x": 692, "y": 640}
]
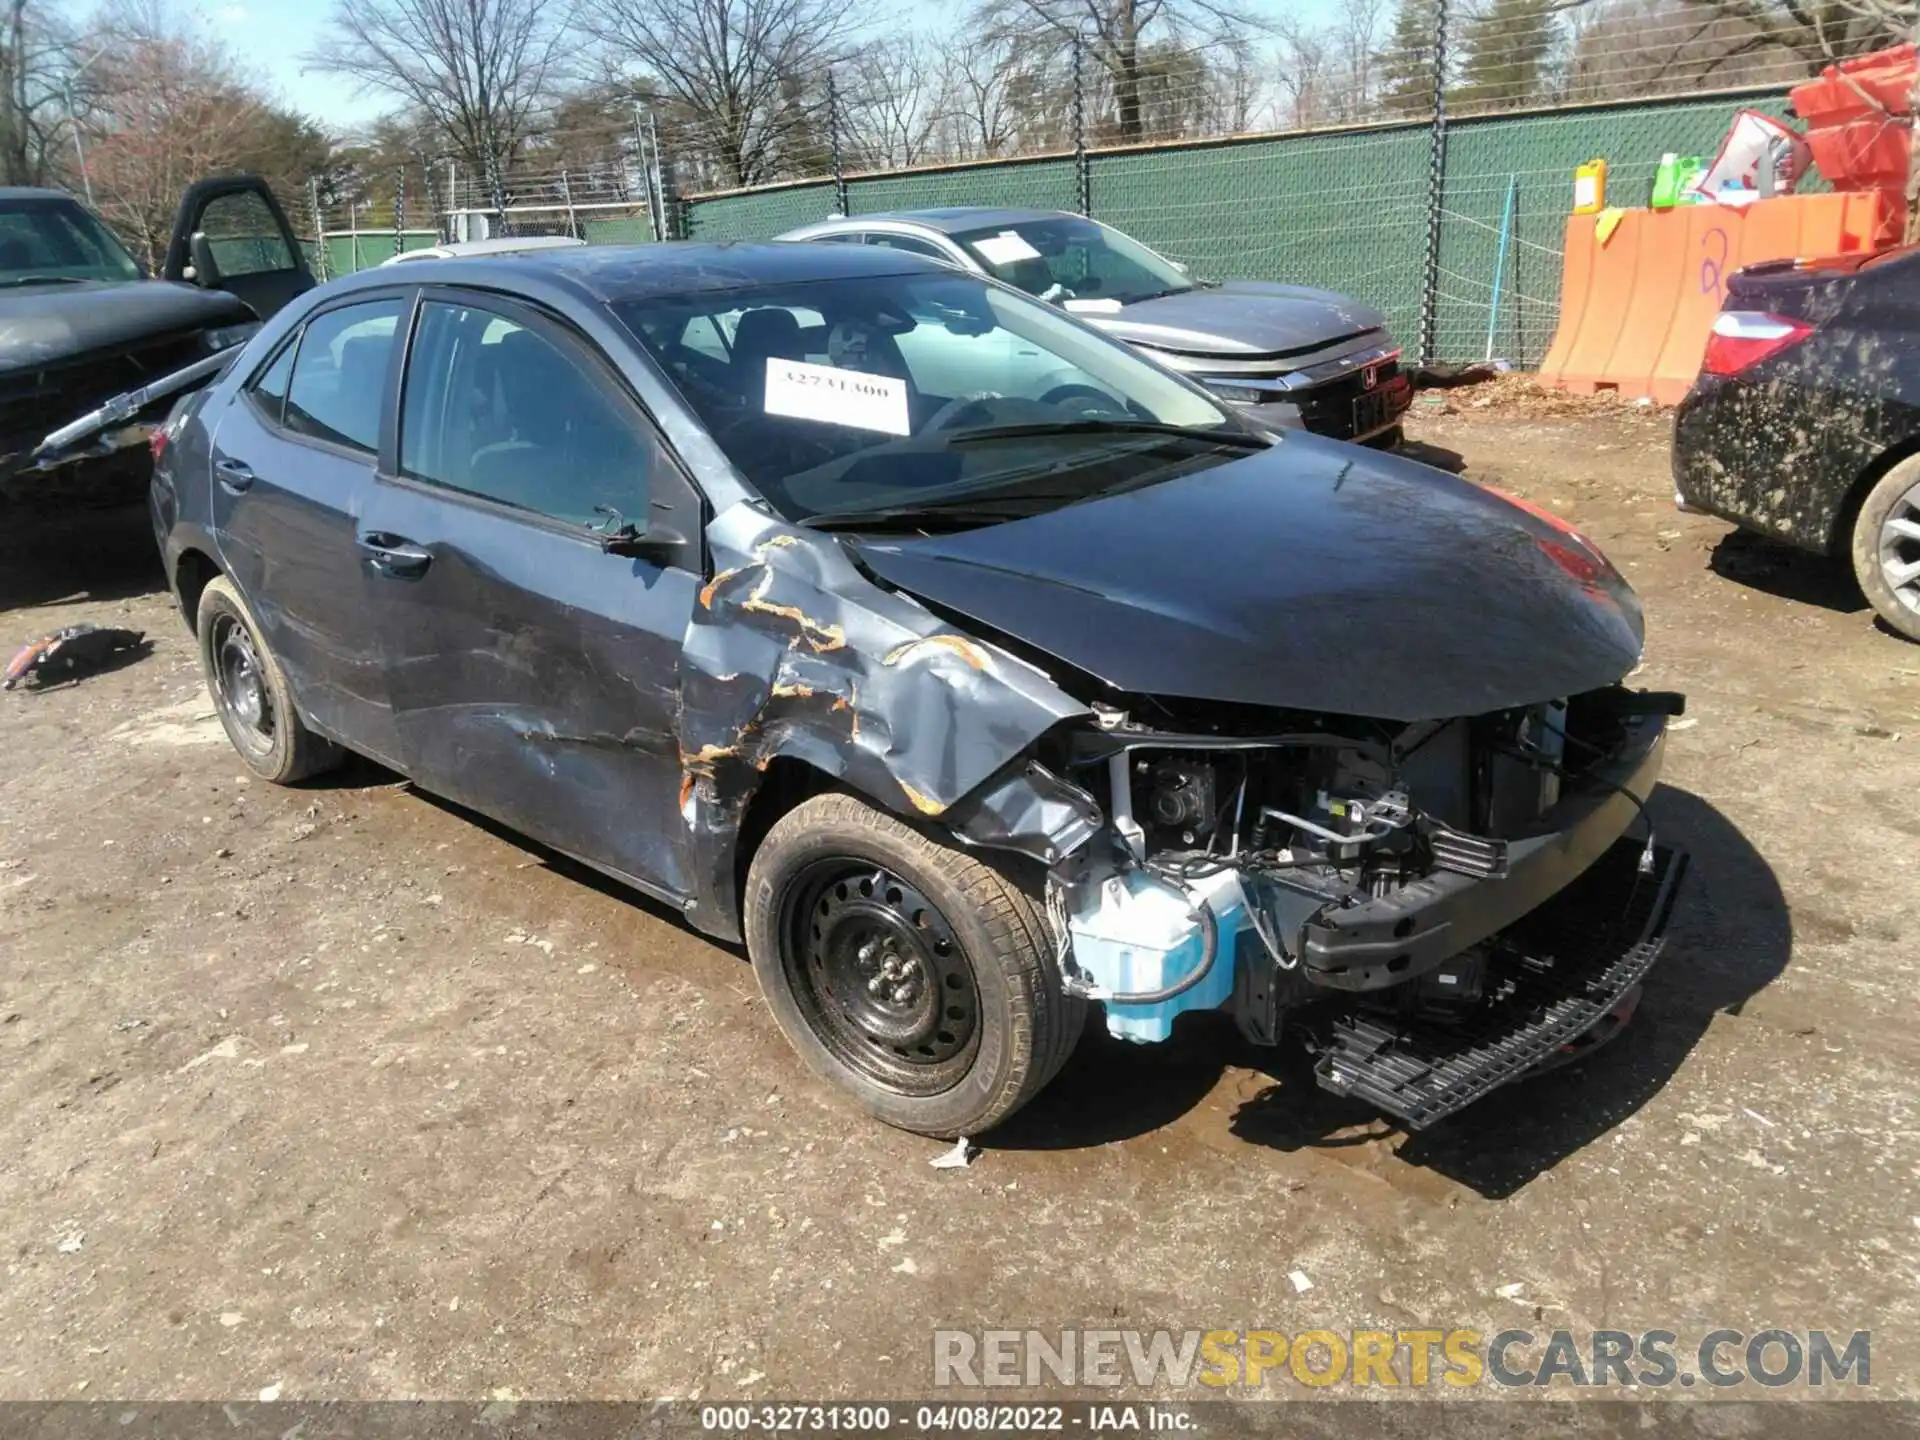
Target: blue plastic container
[{"x": 1135, "y": 933}]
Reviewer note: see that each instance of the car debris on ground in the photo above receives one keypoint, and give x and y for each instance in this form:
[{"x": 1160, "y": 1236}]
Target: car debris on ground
[{"x": 71, "y": 653}]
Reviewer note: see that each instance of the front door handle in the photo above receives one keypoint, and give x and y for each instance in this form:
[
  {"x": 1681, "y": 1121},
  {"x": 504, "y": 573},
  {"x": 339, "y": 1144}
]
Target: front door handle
[
  {"x": 393, "y": 555},
  {"x": 235, "y": 476}
]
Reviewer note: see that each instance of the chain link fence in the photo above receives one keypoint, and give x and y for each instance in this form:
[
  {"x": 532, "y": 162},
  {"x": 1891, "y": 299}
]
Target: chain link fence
[{"x": 1419, "y": 158}]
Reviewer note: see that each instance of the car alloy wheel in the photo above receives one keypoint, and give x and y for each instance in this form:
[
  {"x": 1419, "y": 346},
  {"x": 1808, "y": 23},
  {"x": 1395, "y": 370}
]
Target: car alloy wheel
[
  {"x": 1900, "y": 548},
  {"x": 879, "y": 976}
]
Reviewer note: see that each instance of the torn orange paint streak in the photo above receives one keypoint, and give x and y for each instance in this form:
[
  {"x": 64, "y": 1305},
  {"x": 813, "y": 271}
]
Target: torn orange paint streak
[
  {"x": 707, "y": 590},
  {"x": 958, "y": 644},
  {"x": 925, "y": 804}
]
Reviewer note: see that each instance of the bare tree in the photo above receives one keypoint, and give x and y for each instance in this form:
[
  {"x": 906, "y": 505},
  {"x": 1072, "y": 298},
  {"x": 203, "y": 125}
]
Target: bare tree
[
  {"x": 481, "y": 69},
  {"x": 892, "y": 99},
  {"x": 1305, "y": 64},
  {"x": 1117, "y": 34},
  {"x": 741, "y": 78},
  {"x": 167, "y": 112},
  {"x": 1002, "y": 92},
  {"x": 37, "y": 59}
]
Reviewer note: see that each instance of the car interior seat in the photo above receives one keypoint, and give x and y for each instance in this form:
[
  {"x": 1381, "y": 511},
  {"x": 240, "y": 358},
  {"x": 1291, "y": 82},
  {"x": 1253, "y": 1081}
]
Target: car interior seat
[{"x": 762, "y": 335}]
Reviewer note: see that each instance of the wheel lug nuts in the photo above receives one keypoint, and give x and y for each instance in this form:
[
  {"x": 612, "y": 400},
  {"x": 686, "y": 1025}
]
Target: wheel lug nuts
[{"x": 902, "y": 994}]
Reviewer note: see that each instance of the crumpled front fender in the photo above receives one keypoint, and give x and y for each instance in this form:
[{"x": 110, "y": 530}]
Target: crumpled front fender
[{"x": 793, "y": 652}]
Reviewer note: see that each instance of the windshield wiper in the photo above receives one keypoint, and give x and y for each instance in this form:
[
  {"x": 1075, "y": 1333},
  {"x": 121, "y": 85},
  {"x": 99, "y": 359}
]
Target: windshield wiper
[
  {"x": 1232, "y": 439},
  {"x": 12, "y": 281}
]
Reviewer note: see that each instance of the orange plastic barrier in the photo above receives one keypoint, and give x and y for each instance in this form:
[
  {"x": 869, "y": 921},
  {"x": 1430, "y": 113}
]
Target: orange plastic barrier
[{"x": 1635, "y": 311}]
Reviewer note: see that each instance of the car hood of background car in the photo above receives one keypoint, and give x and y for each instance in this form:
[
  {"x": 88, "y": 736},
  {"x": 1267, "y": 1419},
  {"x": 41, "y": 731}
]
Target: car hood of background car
[
  {"x": 1242, "y": 319},
  {"x": 1311, "y": 576},
  {"x": 43, "y": 324}
]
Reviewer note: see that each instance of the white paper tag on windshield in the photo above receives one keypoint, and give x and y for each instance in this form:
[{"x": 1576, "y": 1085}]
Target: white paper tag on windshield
[
  {"x": 1005, "y": 248},
  {"x": 837, "y": 397},
  {"x": 1092, "y": 307}
]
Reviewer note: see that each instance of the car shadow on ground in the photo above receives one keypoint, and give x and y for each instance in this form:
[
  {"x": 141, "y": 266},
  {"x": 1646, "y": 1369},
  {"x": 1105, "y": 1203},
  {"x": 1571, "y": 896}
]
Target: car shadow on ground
[
  {"x": 50, "y": 558},
  {"x": 1438, "y": 456},
  {"x": 1761, "y": 563},
  {"x": 360, "y": 773},
  {"x": 1729, "y": 938}
]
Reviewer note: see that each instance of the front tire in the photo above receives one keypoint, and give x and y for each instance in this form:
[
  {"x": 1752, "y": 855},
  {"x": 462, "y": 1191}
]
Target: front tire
[
  {"x": 916, "y": 977},
  {"x": 1886, "y": 547},
  {"x": 250, "y": 692}
]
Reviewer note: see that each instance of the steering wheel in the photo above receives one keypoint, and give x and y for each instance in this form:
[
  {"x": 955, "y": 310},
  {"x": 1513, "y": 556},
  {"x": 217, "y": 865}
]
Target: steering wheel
[
  {"x": 1085, "y": 400},
  {"x": 947, "y": 414}
]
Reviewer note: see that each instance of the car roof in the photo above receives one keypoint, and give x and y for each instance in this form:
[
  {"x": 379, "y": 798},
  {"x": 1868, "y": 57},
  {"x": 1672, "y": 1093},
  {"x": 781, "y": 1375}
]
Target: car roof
[
  {"x": 615, "y": 273},
  {"x": 32, "y": 192},
  {"x": 496, "y": 245},
  {"x": 956, "y": 219}
]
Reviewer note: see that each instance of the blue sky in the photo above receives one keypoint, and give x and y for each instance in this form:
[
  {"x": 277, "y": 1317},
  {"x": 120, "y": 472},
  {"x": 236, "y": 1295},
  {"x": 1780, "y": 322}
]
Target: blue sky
[{"x": 274, "y": 34}]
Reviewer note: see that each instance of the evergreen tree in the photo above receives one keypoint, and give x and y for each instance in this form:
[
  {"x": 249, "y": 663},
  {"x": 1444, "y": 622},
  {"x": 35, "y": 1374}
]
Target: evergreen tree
[
  {"x": 1406, "y": 64},
  {"x": 1503, "y": 53}
]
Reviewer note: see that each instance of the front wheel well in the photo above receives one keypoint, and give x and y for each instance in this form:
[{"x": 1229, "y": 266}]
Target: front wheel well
[
  {"x": 190, "y": 578},
  {"x": 786, "y": 783}
]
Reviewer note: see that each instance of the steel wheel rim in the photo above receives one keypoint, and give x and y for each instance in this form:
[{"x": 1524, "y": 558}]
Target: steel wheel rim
[
  {"x": 240, "y": 685},
  {"x": 1900, "y": 549},
  {"x": 879, "y": 976}
]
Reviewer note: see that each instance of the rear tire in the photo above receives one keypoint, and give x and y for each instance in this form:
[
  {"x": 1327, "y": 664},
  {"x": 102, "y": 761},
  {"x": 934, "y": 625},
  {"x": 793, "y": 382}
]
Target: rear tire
[
  {"x": 250, "y": 692},
  {"x": 1886, "y": 547},
  {"x": 917, "y": 977}
]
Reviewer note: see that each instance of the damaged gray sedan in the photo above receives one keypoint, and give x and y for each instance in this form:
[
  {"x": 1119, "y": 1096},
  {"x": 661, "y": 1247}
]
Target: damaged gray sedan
[{"x": 968, "y": 666}]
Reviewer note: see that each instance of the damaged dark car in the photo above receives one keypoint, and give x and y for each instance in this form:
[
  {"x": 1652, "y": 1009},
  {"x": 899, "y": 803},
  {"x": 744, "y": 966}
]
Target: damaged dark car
[
  {"x": 92, "y": 351},
  {"x": 969, "y": 693}
]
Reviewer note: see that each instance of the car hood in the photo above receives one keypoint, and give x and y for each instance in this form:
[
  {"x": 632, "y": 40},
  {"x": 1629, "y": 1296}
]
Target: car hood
[
  {"x": 1312, "y": 576},
  {"x": 1243, "y": 319},
  {"x": 44, "y": 324}
]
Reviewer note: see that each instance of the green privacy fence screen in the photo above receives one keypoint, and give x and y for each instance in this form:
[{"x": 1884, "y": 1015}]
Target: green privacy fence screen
[{"x": 1345, "y": 210}]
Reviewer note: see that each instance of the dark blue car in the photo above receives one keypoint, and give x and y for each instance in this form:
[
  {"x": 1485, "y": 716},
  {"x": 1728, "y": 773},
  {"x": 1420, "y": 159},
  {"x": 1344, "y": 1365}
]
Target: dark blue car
[{"x": 969, "y": 666}]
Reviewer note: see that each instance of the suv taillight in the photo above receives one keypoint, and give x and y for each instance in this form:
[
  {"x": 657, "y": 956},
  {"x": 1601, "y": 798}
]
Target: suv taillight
[{"x": 1741, "y": 339}]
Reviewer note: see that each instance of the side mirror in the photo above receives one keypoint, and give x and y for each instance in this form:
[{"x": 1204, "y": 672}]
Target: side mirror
[
  {"x": 1180, "y": 265},
  {"x": 205, "y": 271}
]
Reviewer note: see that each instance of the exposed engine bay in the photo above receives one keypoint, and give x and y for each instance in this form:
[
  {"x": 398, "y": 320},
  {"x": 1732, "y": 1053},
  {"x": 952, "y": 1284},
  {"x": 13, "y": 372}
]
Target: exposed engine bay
[{"x": 1361, "y": 875}]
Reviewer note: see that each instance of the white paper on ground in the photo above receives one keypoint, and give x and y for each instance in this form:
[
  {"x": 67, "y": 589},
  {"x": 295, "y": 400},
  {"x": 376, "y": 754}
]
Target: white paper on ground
[
  {"x": 837, "y": 397},
  {"x": 1005, "y": 248}
]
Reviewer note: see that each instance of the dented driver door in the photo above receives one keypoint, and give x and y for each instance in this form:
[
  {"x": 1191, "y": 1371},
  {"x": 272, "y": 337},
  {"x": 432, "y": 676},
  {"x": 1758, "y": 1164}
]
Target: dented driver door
[{"x": 535, "y": 671}]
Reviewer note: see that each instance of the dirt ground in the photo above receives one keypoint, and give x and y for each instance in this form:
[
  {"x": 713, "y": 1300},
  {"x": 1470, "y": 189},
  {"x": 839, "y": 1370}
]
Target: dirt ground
[{"x": 334, "y": 1092}]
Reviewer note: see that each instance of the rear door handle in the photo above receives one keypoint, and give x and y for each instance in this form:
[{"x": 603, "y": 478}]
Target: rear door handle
[
  {"x": 393, "y": 555},
  {"x": 235, "y": 476}
]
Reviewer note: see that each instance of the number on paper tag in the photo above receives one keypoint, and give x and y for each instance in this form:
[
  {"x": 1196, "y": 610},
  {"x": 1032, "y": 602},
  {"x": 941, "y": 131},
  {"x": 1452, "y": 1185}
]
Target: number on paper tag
[{"x": 837, "y": 397}]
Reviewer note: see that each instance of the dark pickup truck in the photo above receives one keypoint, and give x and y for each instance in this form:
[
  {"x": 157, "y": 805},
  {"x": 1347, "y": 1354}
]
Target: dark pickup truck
[{"x": 81, "y": 323}]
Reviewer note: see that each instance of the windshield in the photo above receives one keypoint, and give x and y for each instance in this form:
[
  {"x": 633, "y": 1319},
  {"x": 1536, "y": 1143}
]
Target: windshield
[
  {"x": 1066, "y": 259},
  {"x": 53, "y": 239},
  {"x": 865, "y": 395}
]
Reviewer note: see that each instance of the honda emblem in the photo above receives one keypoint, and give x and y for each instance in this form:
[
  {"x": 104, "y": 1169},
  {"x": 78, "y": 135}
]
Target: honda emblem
[{"x": 1369, "y": 377}]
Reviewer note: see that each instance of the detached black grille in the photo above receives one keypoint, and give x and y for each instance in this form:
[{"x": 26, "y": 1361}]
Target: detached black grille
[
  {"x": 1560, "y": 971},
  {"x": 1345, "y": 407},
  {"x": 34, "y": 403}
]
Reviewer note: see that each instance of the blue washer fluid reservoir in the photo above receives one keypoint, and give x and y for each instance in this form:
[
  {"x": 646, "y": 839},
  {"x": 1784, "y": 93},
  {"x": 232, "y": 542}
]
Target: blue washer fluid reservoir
[{"x": 1134, "y": 933}]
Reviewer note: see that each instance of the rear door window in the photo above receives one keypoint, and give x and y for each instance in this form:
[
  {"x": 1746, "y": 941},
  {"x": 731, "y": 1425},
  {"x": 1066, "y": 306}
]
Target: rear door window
[
  {"x": 913, "y": 245},
  {"x": 340, "y": 374}
]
